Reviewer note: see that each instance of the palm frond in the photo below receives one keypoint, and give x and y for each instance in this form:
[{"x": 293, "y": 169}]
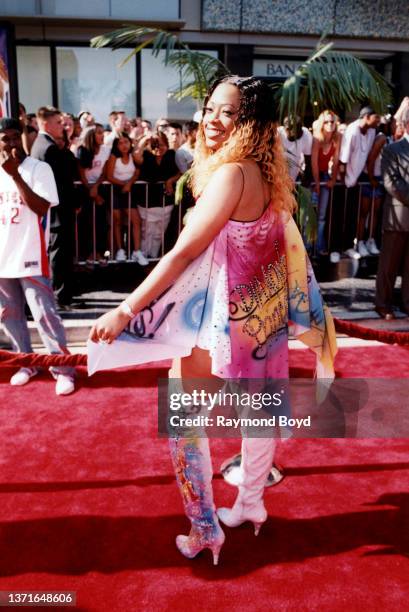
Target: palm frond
[
  {"x": 181, "y": 185},
  {"x": 332, "y": 79},
  {"x": 306, "y": 216},
  {"x": 196, "y": 68},
  {"x": 142, "y": 37}
]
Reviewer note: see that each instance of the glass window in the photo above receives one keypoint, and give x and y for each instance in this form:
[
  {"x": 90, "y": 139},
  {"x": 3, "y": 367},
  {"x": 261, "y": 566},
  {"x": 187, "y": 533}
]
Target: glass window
[
  {"x": 90, "y": 79},
  {"x": 157, "y": 83},
  {"x": 34, "y": 77},
  {"x": 154, "y": 9},
  {"x": 76, "y": 8},
  {"x": 18, "y": 7}
]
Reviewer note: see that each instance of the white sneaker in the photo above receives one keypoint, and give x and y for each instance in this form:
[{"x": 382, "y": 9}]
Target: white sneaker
[
  {"x": 120, "y": 255},
  {"x": 140, "y": 258},
  {"x": 362, "y": 250},
  {"x": 64, "y": 385},
  {"x": 22, "y": 377},
  {"x": 371, "y": 246},
  {"x": 352, "y": 254}
]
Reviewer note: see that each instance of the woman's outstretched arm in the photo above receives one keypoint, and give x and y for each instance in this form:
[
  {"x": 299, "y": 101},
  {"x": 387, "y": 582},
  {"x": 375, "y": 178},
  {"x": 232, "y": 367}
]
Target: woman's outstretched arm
[{"x": 216, "y": 205}]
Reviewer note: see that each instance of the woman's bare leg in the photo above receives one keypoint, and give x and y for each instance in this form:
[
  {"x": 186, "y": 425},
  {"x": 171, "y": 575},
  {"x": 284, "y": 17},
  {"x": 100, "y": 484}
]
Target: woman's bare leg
[{"x": 136, "y": 229}]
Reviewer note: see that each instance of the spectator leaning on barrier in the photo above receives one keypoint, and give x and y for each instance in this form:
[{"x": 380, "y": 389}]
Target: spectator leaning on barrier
[
  {"x": 184, "y": 155},
  {"x": 395, "y": 226},
  {"x": 45, "y": 148},
  {"x": 324, "y": 163},
  {"x": 373, "y": 194},
  {"x": 297, "y": 143},
  {"x": 92, "y": 156},
  {"x": 356, "y": 146},
  {"x": 157, "y": 163},
  {"x": 27, "y": 191},
  {"x": 122, "y": 172}
]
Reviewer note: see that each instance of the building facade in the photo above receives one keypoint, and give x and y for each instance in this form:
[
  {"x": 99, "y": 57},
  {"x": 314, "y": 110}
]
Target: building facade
[{"x": 268, "y": 38}]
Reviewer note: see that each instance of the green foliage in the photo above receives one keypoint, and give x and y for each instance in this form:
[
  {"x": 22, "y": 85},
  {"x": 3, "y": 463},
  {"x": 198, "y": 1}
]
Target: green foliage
[
  {"x": 181, "y": 185},
  {"x": 332, "y": 79},
  {"x": 306, "y": 217},
  {"x": 327, "y": 79},
  {"x": 197, "y": 70}
]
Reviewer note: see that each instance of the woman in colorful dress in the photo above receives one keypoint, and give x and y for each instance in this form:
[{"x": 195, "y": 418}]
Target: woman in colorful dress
[{"x": 220, "y": 301}]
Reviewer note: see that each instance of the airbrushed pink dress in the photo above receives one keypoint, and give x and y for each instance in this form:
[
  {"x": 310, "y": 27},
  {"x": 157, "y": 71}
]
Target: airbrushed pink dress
[{"x": 237, "y": 300}]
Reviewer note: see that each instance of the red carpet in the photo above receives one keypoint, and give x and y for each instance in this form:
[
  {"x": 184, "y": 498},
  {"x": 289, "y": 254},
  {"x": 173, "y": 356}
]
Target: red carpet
[{"x": 88, "y": 503}]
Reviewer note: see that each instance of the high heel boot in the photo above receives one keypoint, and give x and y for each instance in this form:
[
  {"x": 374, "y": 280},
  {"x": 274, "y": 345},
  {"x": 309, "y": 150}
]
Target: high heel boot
[
  {"x": 257, "y": 457},
  {"x": 193, "y": 467}
]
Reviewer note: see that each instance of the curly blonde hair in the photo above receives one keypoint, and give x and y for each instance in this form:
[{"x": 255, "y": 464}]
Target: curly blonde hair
[{"x": 254, "y": 137}]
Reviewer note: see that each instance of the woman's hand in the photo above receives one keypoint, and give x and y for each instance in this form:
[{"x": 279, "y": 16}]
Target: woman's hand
[
  {"x": 126, "y": 188},
  {"x": 169, "y": 187},
  {"x": 109, "y": 326}
]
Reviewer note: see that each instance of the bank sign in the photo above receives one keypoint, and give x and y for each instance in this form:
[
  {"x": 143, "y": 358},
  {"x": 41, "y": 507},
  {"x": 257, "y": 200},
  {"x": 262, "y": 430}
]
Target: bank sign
[{"x": 275, "y": 68}]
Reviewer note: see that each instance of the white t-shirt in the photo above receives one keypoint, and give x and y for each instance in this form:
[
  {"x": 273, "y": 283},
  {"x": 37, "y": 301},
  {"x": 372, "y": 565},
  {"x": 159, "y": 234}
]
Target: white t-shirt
[
  {"x": 23, "y": 234},
  {"x": 355, "y": 149},
  {"x": 184, "y": 157},
  {"x": 124, "y": 172},
  {"x": 92, "y": 174},
  {"x": 295, "y": 150}
]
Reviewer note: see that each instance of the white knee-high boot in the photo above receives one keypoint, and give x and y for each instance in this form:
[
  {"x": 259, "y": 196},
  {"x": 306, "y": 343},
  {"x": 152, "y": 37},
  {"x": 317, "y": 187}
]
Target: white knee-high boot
[{"x": 257, "y": 456}]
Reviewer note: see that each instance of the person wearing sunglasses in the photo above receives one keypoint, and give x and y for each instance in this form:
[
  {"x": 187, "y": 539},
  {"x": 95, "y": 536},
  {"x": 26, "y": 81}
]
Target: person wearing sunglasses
[{"x": 324, "y": 162}]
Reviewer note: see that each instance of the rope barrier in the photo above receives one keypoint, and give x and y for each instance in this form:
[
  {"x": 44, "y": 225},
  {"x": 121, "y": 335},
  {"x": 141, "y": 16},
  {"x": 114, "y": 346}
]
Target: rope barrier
[
  {"x": 365, "y": 333},
  {"x": 8, "y": 358}
]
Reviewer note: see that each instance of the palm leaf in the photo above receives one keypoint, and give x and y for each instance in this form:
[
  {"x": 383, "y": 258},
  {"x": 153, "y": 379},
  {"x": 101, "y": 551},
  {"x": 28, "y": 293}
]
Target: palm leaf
[
  {"x": 181, "y": 185},
  {"x": 196, "y": 68},
  {"x": 332, "y": 79},
  {"x": 306, "y": 216}
]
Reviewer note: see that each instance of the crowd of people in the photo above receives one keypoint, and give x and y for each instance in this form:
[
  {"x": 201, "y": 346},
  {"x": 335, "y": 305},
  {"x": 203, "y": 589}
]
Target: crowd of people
[
  {"x": 134, "y": 221},
  {"x": 230, "y": 287},
  {"x": 123, "y": 153},
  {"x": 115, "y": 189}
]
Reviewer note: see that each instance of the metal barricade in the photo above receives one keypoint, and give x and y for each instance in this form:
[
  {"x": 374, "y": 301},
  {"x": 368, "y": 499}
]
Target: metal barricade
[
  {"x": 88, "y": 231},
  {"x": 343, "y": 214}
]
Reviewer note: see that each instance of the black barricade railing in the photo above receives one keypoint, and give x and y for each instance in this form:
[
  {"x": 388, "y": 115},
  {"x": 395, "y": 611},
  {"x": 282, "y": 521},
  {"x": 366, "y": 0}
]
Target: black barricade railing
[
  {"x": 94, "y": 226},
  {"x": 343, "y": 215},
  {"x": 95, "y": 223}
]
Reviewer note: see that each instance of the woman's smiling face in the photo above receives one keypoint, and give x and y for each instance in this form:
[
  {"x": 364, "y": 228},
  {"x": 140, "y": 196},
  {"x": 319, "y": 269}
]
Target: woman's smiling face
[{"x": 220, "y": 115}]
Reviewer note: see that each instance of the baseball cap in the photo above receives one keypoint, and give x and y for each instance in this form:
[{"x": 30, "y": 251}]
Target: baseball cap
[
  {"x": 366, "y": 110},
  {"x": 8, "y": 123}
]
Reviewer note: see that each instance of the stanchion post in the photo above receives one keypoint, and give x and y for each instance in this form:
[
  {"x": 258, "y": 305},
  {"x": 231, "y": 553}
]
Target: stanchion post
[
  {"x": 94, "y": 233},
  {"x": 331, "y": 199},
  {"x": 129, "y": 226}
]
